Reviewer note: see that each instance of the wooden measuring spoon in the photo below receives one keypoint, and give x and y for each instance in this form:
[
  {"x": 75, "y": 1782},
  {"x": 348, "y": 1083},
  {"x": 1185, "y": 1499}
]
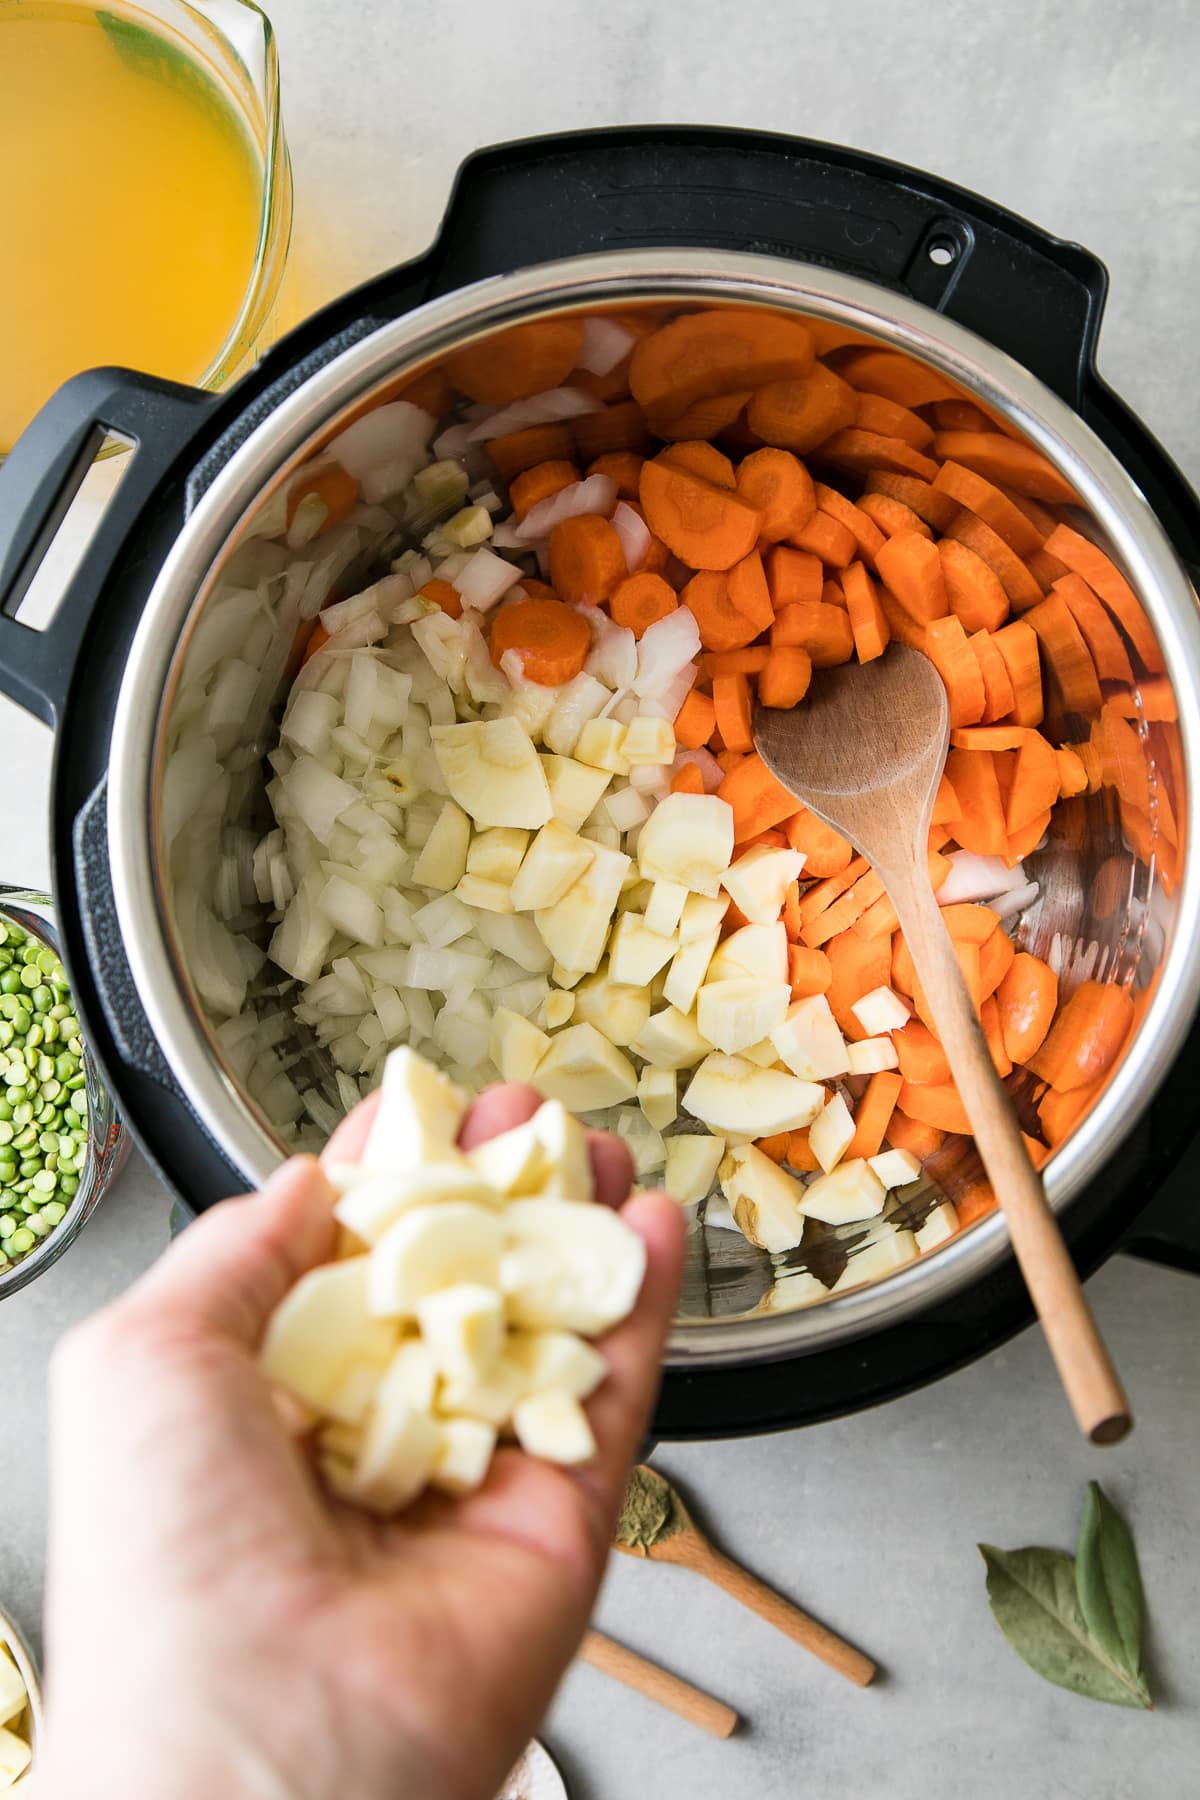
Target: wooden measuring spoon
[
  {"x": 865, "y": 752},
  {"x": 688, "y": 1548}
]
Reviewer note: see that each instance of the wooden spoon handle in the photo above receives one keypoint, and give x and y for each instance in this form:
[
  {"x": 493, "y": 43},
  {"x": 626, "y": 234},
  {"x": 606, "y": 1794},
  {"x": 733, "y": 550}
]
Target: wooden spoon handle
[
  {"x": 1084, "y": 1366},
  {"x": 808, "y": 1632},
  {"x": 657, "y": 1684}
]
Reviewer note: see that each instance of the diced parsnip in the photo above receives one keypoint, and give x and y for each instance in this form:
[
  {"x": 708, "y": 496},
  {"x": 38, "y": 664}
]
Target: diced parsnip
[
  {"x": 793, "y": 1289},
  {"x": 809, "y": 1042},
  {"x": 941, "y": 1223},
  {"x": 515, "y": 1045},
  {"x": 664, "y": 906},
  {"x": 896, "y": 1168},
  {"x": 463, "y": 1327},
  {"x": 869, "y": 1055},
  {"x": 488, "y": 896},
  {"x": 412, "y": 1373},
  {"x": 430, "y": 1248},
  {"x": 625, "y": 808},
  {"x": 599, "y": 745},
  {"x": 649, "y": 741},
  {"x": 554, "y": 1426},
  {"x": 491, "y": 768},
  {"x": 397, "y": 1453},
  {"x": 688, "y": 839},
  {"x": 759, "y": 950},
  {"x": 636, "y": 954},
  {"x": 759, "y": 881},
  {"x": 764, "y": 1054},
  {"x": 729, "y": 1094},
  {"x": 883, "y": 1256},
  {"x": 463, "y": 1456},
  {"x": 689, "y": 967},
  {"x": 321, "y": 1330},
  {"x": 575, "y": 929},
  {"x": 702, "y": 915},
  {"x": 619, "y": 1012},
  {"x": 15, "y": 1757},
  {"x": 554, "y": 861},
  {"x": 578, "y": 702},
  {"x": 764, "y": 1198},
  {"x": 14, "y": 1696},
  {"x": 569, "y": 1268},
  {"x": 832, "y": 1133},
  {"x": 644, "y": 1142},
  {"x": 496, "y": 854},
  {"x": 607, "y": 835},
  {"x": 443, "y": 859},
  {"x": 670, "y": 1039},
  {"x": 658, "y": 1096},
  {"x": 547, "y": 1156},
  {"x": 881, "y": 1011},
  {"x": 420, "y": 1112},
  {"x": 369, "y": 1206},
  {"x": 491, "y": 1400},
  {"x": 693, "y": 1159},
  {"x": 575, "y": 789},
  {"x": 556, "y": 1360},
  {"x": 847, "y": 1194},
  {"x": 558, "y": 1010},
  {"x": 733, "y": 1014},
  {"x": 584, "y": 1071}
]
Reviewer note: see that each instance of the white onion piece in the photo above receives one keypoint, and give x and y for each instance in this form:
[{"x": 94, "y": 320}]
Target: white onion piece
[
  {"x": 664, "y": 702},
  {"x": 711, "y": 772},
  {"x": 539, "y": 409},
  {"x": 613, "y": 656},
  {"x": 484, "y": 579},
  {"x": 452, "y": 443},
  {"x": 396, "y": 433},
  {"x": 1005, "y": 905},
  {"x": 634, "y": 534},
  {"x": 974, "y": 877},
  {"x": 604, "y": 345},
  {"x": 667, "y": 647},
  {"x": 507, "y": 535},
  {"x": 598, "y": 494}
]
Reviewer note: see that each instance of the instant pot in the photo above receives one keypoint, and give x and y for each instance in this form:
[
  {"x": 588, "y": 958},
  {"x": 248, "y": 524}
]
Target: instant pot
[{"x": 584, "y": 222}]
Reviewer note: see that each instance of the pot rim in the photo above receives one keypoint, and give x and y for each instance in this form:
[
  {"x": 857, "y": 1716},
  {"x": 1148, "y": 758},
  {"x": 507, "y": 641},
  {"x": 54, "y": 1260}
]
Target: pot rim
[{"x": 290, "y": 433}]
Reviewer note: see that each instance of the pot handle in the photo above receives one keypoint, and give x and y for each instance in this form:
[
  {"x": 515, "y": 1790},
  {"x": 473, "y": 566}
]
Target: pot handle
[
  {"x": 38, "y": 482},
  {"x": 1032, "y": 295}
]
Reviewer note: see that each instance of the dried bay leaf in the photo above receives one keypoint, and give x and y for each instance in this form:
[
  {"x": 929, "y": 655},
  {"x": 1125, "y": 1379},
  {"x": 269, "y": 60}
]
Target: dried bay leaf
[
  {"x": 1033, "y": 1597},
  {"x": 1109, "y": 1585}
]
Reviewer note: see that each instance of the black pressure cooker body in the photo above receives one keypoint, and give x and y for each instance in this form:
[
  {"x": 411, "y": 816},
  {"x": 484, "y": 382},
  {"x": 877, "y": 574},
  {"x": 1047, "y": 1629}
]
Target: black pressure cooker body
[{"x": 536, "y": 201}]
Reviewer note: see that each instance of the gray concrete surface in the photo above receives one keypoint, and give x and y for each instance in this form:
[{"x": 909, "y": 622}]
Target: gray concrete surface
[{"x": 1082, "y": 117}]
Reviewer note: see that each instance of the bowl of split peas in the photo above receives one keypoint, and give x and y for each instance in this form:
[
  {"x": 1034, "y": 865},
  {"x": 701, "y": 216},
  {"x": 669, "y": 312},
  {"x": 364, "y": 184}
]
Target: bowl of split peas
[{"x": 61, "y": 1139}]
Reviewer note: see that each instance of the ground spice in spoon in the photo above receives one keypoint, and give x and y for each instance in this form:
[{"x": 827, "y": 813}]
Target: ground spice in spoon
[{"x": 651, "y": 1512}]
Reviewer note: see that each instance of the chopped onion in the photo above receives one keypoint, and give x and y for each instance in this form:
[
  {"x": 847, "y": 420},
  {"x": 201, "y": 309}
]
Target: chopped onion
[
  {"x": 664, "y": 702},
  {"x": 1005, "y": 906},
  {"x": 974, "y": 877},
  {"x": 598, "y": 494},
  {"x": 711, "y": 772},
  {"x": 605, "y": 343},
  {"x": 484, "y": 579},
  {"x": 634, "y": 533},
  {"x": 538, "y": 409},
  {"x": 614, "y": 653},
  {"x": 666, "y": 648},
  {"x": 384, "y": 448}
]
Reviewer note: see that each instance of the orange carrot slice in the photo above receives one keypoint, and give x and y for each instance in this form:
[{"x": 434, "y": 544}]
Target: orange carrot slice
[
  {"x": 808, "y": 971},
  {"x": 873, "y": 1114},
  {"x": 825, "y": 851},
  {"x": 620, "y": 427},
  {"x": 701, "y": 459},
  {"x": 793, "y": 576},
  {"x": 695, "y": 722},
  {"x": 1084, "y": 558},
  {"x": 722, "y": 627},
  {"x": 868, "y": 621},
  {"x": 1027, "y": 998},
  {"x": 896, "y": 376},
  {"x": 447, "y": 597},
  {"x": 1067, "y": 654},
  {"x": 757, "y": 799},
  {"x": 1000, "y": 458},
  {"x": 551, "y": 639},
  {"x": 999, "y": 698},
  {"x": 892, "y": 516},
  {"x": 821, "y": 629},
  {"x": 1035, "y": 786},
  {"x": 1018, "y": 648},
  {"x": 828, "y": 538},
  {"x": 929, "y": 503},
  {"x": 702, "y": 420},
  {"x": 731, "y": 701},
  {"x": 1059, "y": 1114},
  {"x": 1086, "y": 1038},
  {"x": 981, "y": 827},
  {"x": 717, "y": 351},
  {"x": 539, "y": 483},
  {"x": 864, "y": 531},
  {"x": 1020, "y": 586},
  {"x": 912, "y": 569},
  {"x": 622, "y": 466},
  {"x": 641, "y": 600},
  {"x": 948, "y": 650},
  {"x": 800, "y": 414},
  {"x": 986, "y": 501},
  {"x": 1097, "y": 630},
  {"x": 706, "y": 527},
  {"x": 586, "y": 559},
  {"x": 515, "y": 451},
  {"x": 922, "y": 1058},
  {"x": 334, "y": 487},
  {"x": 780, "y": 488},
  {"x": 862, "y": 451},
  {"x": 974, "y": 591},
  {"x": 876, "y": 413},
  {"x": 687, "y": 780},
  {"x": 751, "y": 661},
  {"x": 989, "y": 1018},
  {"x": 785, "y": 676},
  {"x": 510, "y": 365},
  {"x": 937, "y": 1104},
  {"x": 858, "y": 965}
]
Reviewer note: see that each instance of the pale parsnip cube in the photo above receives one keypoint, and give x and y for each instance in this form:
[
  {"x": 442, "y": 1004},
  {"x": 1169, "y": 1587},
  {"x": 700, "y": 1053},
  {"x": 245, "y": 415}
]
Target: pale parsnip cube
[
  {"x": 764, "y": 1198},
  {"x": 691, "y": 1168},
  {"x": 849, "y": 1193},
  {"x": 891, "y": 1251},
  {"x": 321, "y": 1330},
  {"x": 619, "y": 1012},
  {"x": 553, "y": 863},
  {"x": 554, "y": 1426},
  {"x": 515, "y": 1045},
  {"x": 831, "y": 1133},
  {"x": 758, "y": 950},
  {"x": 809, "y": 1042},
  {"x": 881, "y": 1011},
  {"x": 896, "y": 1168},
  {"x": 689, "y": 968},
  {"x": 729, "y": 1094},
  {"x": 759, "y": 880},
  {"x": 575, "y": 929},
  {"x": 431, "y": 1248},
  {"x": 463, "y": 1328},
  {"x": 733, "y": 1014},
  {"x": 664, "y": 906},
  {"x": 636, "y": 954},
  {"x": 942, "y": 1223},
  {"x": 496, "y": 855},
  {"x": 600, "y": 746},
  {"x": 463, "y": 1456},
  {"x": 492, "y": 770},
  {"x": 443, "y": 859},
  {"x": 658, "y": 1096},
  {"x": 688, "y": 839},
  {"x": 575, "y": 789},
  {"x": 671, "y": 1039},
  {"x": 649, "y": 741},
  {"x": 870, "y": 1055}
]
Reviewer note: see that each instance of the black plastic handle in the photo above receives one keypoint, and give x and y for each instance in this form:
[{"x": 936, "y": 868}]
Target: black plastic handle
[
  {"x": 38, "y": 482},
  {"x": 1030, "y": 294}
]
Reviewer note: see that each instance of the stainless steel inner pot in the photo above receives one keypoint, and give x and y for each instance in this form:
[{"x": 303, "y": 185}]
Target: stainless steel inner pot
[{"x": 1100, "y": 911}]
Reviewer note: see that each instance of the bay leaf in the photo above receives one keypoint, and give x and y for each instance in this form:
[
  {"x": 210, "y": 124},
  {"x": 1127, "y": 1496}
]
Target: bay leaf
[
  {"x": 1109, "y": 1585},
  {"x": 1034, "y": 1601}
]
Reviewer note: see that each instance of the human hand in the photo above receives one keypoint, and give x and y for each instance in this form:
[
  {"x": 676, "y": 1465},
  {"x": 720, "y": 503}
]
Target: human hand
[{"x": 217, "y": 1625}]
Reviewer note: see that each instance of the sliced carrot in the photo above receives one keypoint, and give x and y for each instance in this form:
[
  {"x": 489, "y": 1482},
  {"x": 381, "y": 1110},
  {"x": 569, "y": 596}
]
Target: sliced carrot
[
  {"x": 704, "y": 419},
  {"x": 586, "y": 559},
  {"x": 801, "y": 1155},
  {"x": 775, "y": 1146},
  {"x": 873, "y": 1114},
  {"x": 729, "y": 760},
  {"x": 999, "y": 698},
  {"x": 334, "y": 487},
  {"x": 968, "y": 922},
  {"x": 990, "y": 737},
  {"x": 881, "y": 915},
  {"x": 751, "y": 661},
  {"x": 1011, "y": 460},
  {"x": 912, "y": 569},
  {"x": 828, "y": 538},
  {"x": 896, "y": 376},
  {"x": 989, "y": 1018},
  {"x": 722, "y": 627},
  {"x": 960, "y": 415},
  {"x": 715, "y": 352},
  {"x": 1086, "y": 1038},
  {"x": 539, "y": 483},
  {"x": 858, "y": 965},
  {"x": 1039, "y": 1154},
  {"x": 908, "y": 1134},
  {"x": 974, "y": 1201},
  {"x": 1153, "y": 699},
  {"x": 825, "y": 851},
  {"x": 641, "y": 600},
  {"x": 823, "y": 630},
  {"x": 825, "y": 892},
  {"x": 792, "y": 576},
  {"x": 845, "y": 912},
  {"x": 948, "y": 650},
  {"x": 701, "y": 459},
  {"x": 863, "y": 530},
  {"x": 892, "y": 516},
  {"x": 1036, "y": 785},
  {"x": 515, "y": 451},
  {"x": 780, "y": 488},
  {"x": 972, "y": 775},
  {"x": 1059, "y": 1114},
  {"x": 731, "y": 700},
  {"x": 622, "y": 466},
  {"x": 1067, "y": 654},
  {"x": 785, "y": 677},
  {"x": 706, "y": 527},
  {"x": 986, "y": 501},
  {"x": 1084, "y": 558},
  {"x": 922, "y": 1058},
  {"x": 945, "y": 802},
  {"x": 694, "y": 721},
  {"x": 1022, "y": 590},
  {"x": 551, "y": 639},
  {"x": 903, "y": 627},
  {"x": 1042, "y": 517},
  {"x": 607, "y": 388},
  {"x": 792, "y": 922},
  {"x": 1018, "y": 647},
  {"x": 996, "y": 955},
  {"x": 868, "y": 620},
  {"x": 1022, "y": 843},
  {"x": 748, "y": 590},
  {"x": 687, "y": 779},
  {"x": 974, "y": 591},
  {"x": 862, "y": 451},
  {"x": 800, "y": 414},
  {"x": 619, "y": 427},
  {"x": 889, "y": 419},
  {"x": 1072, "y": 776},
  {"x": 808, "y": 971},
  {"x": 444, "y": 595},
  {"x": 432, "y": 391},
  {"x": 1044, "y": 568},
  {"x": 533, "y": 589},
  {"x": 757, "y": 799},
  {"x": 929, "y": 503},
  {"x": 935, "y": 1103},
  {"x": 510, "y": 365},
  {"x": 833, "y": 594},
  {"x": 1097, "y": 630},
  {"x": 1026, "y": 998}
]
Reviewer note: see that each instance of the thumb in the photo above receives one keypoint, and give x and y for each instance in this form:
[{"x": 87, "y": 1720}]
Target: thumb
[{"x": 229, "y": 1270}]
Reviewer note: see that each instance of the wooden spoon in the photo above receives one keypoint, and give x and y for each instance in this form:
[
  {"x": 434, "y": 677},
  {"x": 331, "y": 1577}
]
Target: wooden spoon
[
  {"x": 658, "y": 1684},
  {"x": 865, "y": 752}
]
